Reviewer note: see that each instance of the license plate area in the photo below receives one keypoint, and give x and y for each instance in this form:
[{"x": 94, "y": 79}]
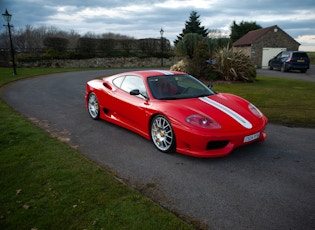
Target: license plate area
[
  {"x": 251, "y": 137},
  {"x": 300, "y": 60}
]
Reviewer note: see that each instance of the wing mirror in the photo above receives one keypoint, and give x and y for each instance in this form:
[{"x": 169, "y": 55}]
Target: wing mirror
[{"x": 137, "y": 92}]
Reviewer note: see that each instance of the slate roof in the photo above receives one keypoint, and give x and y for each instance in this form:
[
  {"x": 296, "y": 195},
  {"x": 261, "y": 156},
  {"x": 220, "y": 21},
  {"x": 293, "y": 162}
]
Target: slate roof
[{"x": 251, "y": 36}]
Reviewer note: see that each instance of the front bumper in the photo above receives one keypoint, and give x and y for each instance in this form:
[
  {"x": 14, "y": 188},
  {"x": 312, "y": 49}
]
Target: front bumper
[{"x": 216, "y": 144}]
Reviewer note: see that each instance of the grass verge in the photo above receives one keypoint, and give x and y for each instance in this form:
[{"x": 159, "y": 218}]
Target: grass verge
[
  {"x": 45, "y": 184},
  {"x": 312, "y": 57},
  {"x": 284, "y": 101}
]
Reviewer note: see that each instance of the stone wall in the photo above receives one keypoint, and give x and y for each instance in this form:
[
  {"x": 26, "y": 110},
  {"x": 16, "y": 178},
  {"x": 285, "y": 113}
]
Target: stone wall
[{"x": 122, "y": 62}]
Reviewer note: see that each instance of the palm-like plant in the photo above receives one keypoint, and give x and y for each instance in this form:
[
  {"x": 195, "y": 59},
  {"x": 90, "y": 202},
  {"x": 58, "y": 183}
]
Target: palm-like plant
[{"x": 234, "y": 65}]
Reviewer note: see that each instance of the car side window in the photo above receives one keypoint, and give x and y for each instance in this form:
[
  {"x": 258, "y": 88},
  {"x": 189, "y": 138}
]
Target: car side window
[
  {"x": 285, "y": 55},
  {"x": 133, "y": 82},
  {"x": 279, "y": 55},
  {"x": 117, "y": 81}
]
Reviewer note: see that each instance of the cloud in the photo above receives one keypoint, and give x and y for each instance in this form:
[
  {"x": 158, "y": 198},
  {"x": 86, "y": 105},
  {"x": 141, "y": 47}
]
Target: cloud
[{"x": 144, "y": 18}]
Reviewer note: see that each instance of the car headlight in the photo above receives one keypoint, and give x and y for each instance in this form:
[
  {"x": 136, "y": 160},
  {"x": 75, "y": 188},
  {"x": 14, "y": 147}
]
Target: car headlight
[
  {"x": 255, "y": 111},
  {"x": 202, "y": 121}
]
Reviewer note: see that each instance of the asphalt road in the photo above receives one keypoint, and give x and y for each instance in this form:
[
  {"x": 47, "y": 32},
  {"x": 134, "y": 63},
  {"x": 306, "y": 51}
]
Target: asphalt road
[
  {"x": 268, "y": 185},
  {"x": 294, "y": 74}
]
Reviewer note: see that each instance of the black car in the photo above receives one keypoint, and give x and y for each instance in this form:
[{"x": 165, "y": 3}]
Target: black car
[{"x": 290, "y": 60}]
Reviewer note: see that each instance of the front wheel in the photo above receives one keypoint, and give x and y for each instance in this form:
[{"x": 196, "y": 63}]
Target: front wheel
[
  {"x": 93, "y": 106},
  {"x": 162, "y": 134},
  {"x": 283, "y": 68}
]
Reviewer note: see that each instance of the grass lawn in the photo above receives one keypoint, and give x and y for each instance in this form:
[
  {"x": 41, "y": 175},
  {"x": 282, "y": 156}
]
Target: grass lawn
[
  {"x": 284, "y": 101},
  {"x": 45, "y": 184},
  {"x": 312, "y": 57}
]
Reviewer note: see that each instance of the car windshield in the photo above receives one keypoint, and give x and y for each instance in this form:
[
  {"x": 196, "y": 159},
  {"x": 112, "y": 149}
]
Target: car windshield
[{"x": 173, "y": 87}]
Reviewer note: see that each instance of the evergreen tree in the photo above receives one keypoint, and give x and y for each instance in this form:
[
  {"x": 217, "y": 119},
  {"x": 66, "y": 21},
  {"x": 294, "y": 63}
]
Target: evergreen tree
[
  {"x": 238, "y": 31},
  {"x": 193, "y": 25}
]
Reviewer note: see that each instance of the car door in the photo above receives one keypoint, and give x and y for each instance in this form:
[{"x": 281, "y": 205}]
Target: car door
[
  {"x": 131, "y": 109},
  {"x": 276, "y": 62}
]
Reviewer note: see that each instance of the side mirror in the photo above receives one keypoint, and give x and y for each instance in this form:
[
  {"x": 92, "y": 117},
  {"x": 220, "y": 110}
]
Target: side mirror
[{"x": 137, "y": 92}]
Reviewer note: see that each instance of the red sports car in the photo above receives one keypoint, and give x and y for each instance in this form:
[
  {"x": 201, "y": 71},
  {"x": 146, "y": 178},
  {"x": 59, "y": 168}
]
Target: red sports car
[{"x": 176, "y": 111}]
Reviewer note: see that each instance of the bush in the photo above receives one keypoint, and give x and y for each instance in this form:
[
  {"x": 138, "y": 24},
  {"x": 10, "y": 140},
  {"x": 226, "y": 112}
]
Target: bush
[
  {"x": 198, "y": 65},
  {"x": 234, "y": 65}
]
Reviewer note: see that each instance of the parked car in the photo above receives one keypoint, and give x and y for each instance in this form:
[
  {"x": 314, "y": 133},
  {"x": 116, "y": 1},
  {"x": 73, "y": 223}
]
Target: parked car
[
  {"x": 176, "y": 111},
  {"x": 290, "y": 60}
]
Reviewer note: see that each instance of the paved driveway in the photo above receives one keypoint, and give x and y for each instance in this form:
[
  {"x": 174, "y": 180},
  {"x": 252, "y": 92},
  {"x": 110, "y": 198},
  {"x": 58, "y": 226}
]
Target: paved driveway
[
  {"x": 268, "y": 185},
  {"x": 308, "y": 76}
]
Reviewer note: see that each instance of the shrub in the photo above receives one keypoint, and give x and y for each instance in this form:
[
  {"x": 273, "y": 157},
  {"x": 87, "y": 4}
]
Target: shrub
[
  {"x": 198, "y": 65},
  {"x": 234, "y": 65},
  {"x": 180, "y": 66}
]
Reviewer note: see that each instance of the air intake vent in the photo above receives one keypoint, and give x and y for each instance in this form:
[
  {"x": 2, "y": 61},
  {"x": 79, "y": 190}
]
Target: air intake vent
[{"x": 216, "y": 144}]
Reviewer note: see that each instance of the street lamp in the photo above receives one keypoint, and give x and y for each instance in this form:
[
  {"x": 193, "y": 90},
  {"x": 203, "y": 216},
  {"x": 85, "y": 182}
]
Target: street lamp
[
  {"x": 161, "y": 32},
  {"x": 7, "y": 17}
]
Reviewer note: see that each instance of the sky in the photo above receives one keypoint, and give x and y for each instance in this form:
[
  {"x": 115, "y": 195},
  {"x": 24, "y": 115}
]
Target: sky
[{"x": 145, "y": 18}]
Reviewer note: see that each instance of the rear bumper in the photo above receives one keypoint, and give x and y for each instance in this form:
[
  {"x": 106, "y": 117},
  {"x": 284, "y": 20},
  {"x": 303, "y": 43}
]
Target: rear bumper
[{"x": 294, "y": 66}]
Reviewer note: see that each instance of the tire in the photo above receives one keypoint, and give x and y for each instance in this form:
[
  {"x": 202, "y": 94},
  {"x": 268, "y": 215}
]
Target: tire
[
  {"x": 303, "y": 70},
  {"x": 283, "y": 69},
  {"x": 270, "y": 67},
  {"x": 93, "y": 106},
  {"x": 162, "y": 134}
]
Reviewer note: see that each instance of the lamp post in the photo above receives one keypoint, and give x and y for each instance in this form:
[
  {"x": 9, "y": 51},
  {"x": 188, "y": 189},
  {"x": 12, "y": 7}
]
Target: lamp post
[
  {"x": 7, "y": 17},
  {"x": 161, "y": 32}
]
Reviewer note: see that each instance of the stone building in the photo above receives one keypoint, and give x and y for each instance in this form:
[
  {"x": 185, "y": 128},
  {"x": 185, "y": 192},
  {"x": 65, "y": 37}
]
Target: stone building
[{"x": 263, "y": 44}]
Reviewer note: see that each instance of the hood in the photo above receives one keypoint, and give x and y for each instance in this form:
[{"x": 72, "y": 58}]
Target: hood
[{"x": 230, "y": 111}]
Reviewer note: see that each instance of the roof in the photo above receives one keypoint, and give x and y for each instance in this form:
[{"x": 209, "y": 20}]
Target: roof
[
  {"x": 251, "y": 36},
  {"x": 149, "y": 73}
]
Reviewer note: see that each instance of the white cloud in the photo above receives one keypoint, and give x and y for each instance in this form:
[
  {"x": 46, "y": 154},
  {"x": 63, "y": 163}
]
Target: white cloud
[
  {"x": 197, "y": 4},
  {"x": 307, "y": 41}
]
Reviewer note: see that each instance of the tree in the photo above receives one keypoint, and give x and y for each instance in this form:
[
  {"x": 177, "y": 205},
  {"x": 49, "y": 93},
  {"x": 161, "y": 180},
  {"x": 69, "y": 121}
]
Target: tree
[
  {"x": 192, "y": 26},
  {"x": 198, "y": 66},
  {"x": 56, "y": 43},
  {"x": 238, "y": 31},
  {"x": 187, "y": 45}
]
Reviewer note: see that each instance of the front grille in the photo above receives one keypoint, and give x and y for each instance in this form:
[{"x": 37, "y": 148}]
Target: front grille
[{"x": 216, "y": 144}]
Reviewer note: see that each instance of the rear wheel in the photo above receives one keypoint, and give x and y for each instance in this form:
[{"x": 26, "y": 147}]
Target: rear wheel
[
  {"x": 303, "y": 70},
  {"x": 162, "y": 134},
  {"x": 93, "y": 106}
]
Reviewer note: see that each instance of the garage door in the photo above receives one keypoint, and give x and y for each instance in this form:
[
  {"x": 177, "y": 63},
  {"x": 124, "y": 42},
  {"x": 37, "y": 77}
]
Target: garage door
[{"x": 269, "y": 53}]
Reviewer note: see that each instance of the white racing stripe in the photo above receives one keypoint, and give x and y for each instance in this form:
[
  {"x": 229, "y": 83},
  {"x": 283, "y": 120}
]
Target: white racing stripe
[
  {"x": 165, "y": 72},
  {"x": 237, "y": 117}
]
